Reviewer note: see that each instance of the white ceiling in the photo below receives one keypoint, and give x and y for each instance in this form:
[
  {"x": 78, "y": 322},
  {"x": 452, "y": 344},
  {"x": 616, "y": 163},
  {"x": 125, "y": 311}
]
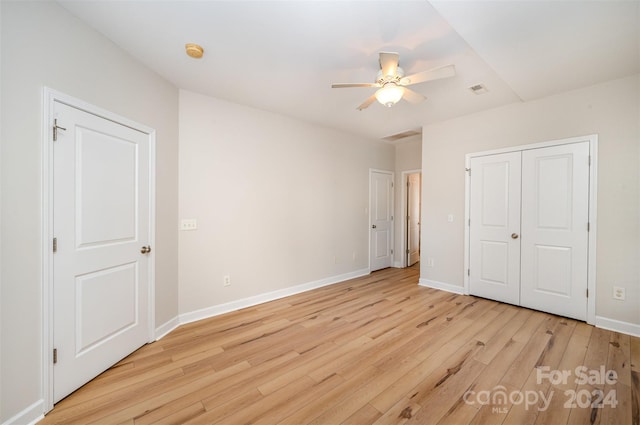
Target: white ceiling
[{"x": 282, "y": 56}]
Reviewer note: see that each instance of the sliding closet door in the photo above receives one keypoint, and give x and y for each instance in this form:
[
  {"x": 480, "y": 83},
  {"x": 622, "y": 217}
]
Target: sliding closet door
[
  {"x": 554, "y": 241},
  {"x": 494, "y": 266}
]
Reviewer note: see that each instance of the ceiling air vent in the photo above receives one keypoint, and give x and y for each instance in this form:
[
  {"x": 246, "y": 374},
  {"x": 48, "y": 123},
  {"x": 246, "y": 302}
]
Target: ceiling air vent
[{"x": 478, "y": 89}]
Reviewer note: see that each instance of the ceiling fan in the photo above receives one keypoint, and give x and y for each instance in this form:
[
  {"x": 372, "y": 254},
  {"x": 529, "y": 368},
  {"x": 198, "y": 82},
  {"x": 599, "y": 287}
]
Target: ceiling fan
[{"x": 392, "y": 83}]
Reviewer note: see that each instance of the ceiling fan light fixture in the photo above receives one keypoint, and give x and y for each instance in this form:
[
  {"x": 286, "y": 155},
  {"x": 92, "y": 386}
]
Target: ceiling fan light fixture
[{"x": 390, "y": 94}]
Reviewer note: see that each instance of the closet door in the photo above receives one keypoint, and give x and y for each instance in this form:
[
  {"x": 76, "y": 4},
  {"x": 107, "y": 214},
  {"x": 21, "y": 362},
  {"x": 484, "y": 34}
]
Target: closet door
[
  {"x": 494, "y": 267},
  {"x": 555, "y": 212}
]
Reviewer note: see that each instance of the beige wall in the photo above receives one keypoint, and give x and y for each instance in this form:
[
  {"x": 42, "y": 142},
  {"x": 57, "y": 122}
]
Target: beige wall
[
  {"x": 610, "y": 110},
  {"x": 43, "y": 45},
  {"x": 278, "y": 202},
  {"x": 408, "y": 157}
]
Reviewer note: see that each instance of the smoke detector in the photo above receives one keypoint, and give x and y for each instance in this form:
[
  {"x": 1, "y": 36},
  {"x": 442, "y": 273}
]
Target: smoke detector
[{"x": 194, "y": 50}]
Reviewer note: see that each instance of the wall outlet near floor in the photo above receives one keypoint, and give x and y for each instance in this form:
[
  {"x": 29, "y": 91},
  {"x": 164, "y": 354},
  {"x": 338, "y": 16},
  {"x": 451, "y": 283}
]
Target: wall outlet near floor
[
  {"x": 188, "y": 224},
  {"x": 429, "y": 262},
  {"x": 226, "y": 280},
  {"x": 618, "y": 293}
]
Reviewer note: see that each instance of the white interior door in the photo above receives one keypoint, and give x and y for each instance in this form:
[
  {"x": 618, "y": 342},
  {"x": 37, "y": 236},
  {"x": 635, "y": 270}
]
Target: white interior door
[
  {"x": 413, "y": 218},
  {"x": 381, "y": 218},
  {"x": 555, "y": 208},
  {"x": 494, "y": 250},
  {"x": 101, "y": 222}
]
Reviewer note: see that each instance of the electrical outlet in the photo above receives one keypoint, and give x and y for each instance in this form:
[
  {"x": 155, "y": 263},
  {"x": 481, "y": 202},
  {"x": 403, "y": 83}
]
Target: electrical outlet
[
  {"x": 226, "y": 280},
  {"x": 429, "y": 262},
  {"x": 188, "y": 224},
  {"x": 618, "y": 293},
  {"x": 450, "y": 218}
]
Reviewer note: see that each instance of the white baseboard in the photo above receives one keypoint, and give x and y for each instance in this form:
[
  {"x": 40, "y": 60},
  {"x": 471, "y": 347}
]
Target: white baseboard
[
  {"x": 167, "y": 327},
  {"x": 397, "y": 264},
  {"x": 216, "y": 310},
  {"x": 618, "y": 326},
  {"x": 29, "y": 416},
  {"x": 441, "y": 285}
]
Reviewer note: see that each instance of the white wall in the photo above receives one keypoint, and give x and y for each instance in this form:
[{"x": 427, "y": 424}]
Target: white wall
[
  {"x": 408, "y": 157},
  {"x": 278, "y": 202},
  {"x": 612, "y": 111},
  {"x": 43, "y": 45}
]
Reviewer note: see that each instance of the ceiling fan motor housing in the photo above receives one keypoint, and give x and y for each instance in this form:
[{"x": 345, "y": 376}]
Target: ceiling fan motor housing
[{"x": 383, "y": 79}]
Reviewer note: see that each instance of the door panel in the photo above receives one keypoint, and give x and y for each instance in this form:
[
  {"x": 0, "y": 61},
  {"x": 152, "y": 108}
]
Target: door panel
[
  {"x": 381, "y": 207},
  {"x": 106, "y": 305},
  {"x": 494, "y": 262},
  {"x": 555, "y": 208},
  {"x": 101, "y": 220},
  {"x": 106, "y": 208},
  {"x": 382, "y": 243},
  {"x": 552, "y": 270},
  {"x": 495, "y": 216}
]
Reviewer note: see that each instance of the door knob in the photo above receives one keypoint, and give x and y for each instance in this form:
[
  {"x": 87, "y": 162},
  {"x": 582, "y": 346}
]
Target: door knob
[
  {"x": 145, "y": 249},
  {"x": 514, "y": 236},
  {"x": 373, "y": 226}
]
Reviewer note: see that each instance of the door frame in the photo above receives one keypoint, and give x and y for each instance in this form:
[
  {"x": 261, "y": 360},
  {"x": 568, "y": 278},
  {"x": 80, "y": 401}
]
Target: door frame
[
  {"x": 49, "y": 97},
  {"x": 392, "y": 201},
  {"x": 593, "y": 223},
  {"x": 403, "y": 211}
]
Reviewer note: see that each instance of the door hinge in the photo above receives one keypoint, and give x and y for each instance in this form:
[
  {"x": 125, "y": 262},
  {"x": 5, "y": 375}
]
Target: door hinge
[
  {"x": 469, "y": 224},
  {"x": 55, "y": 355},
  {"x": 392, "y": 252},
  {"x": 391, "y": 184},
  {"x": 56, "y": 127},
  {"x": 588, "y": 226},
  {"x": 468, "y": 272},
  {"x": 468, "y": 170},
  {"x": 408, "y": 251},
  {"x": 587, "y": 292},
  {"x": 589, "y": 159},
  {"x": 54, "y": 245},
  {"x": 391, "y": 218}
]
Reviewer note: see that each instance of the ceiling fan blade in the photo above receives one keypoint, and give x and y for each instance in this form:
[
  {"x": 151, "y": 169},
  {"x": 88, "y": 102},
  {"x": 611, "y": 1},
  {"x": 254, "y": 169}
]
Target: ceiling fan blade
[
  {"x": 343, "y": 85},
  {"x": 412, "y": 96},
  {"x": 430, "y": 75},
  {"x": 389, "y": 63},
  {"x": 367, "y": 102}
]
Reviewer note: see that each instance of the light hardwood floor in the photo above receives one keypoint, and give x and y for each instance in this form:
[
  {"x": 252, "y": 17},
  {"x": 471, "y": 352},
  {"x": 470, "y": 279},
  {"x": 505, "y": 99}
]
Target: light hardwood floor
[{"x": 373, "y": 350}]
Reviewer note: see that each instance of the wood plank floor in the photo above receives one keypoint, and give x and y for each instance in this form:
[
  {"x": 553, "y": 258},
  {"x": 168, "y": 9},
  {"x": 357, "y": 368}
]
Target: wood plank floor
[{"x": 373, "y": 350}]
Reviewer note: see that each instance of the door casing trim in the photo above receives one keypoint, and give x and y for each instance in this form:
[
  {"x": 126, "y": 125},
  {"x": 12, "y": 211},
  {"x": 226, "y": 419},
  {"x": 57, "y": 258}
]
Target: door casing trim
[
  {"x": 49, "y": 97},
  {"x": 593, "y": 202}
]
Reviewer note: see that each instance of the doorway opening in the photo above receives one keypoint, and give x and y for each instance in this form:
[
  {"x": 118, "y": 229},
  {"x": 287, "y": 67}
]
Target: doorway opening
[
  {"x": 531, "y": 226},
  {"x": 98, "y": 230},
  {"x": 380, "y": 219},
  {"x": 411, "y": 213}
]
